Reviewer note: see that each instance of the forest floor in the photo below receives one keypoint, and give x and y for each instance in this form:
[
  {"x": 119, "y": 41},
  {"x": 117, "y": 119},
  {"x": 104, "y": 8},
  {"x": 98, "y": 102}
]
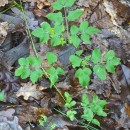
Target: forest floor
[{"x": 24, "y": 102}]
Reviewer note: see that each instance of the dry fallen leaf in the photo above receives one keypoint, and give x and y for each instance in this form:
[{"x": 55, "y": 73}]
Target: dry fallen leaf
[
  {"x": 3, "y": 31},
  {"x": 111, "y": 11},
  {"x": 40, "y": 3},
  {"x": 3, "y": 2},
  {"x": 28, "y": 90}
]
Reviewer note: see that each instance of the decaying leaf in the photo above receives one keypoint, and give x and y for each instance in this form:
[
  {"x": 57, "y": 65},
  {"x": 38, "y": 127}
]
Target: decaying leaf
[
  {"x": 3, "y": 2},
  {"x": 111, "y": 11},
  {"x": 30, "y": 90},
  {"x": 3, "y": 31}
]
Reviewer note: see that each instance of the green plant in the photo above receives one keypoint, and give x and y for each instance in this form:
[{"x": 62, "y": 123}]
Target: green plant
[
  {"x": 29, "y": 67},
  {"x": 2, "y": 96},
  {"x": 69, "y": 103},
  {"x": 91, "y": 108},
  {"x": 61, "y": 32},
  {"x": 44, "y": 119}
]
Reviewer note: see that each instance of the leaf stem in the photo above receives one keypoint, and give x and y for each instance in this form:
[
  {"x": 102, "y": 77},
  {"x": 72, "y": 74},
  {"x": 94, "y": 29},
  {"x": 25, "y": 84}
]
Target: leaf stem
[{"x": 67, "y": 26}]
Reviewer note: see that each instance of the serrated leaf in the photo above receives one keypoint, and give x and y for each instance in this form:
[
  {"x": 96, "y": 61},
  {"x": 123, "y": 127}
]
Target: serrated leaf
[
  {"x": 51, "y": 57},
  {"x": 46, "y": 27},
  {"x": 83, "y": 76},
  {"x": 96, "y": 56},
  {"x": 100, "y": 71},
  {"x": 92, "y": 30},
  {"x": 83, "y": 27},
  {"x": 34, "y": 61},
  {"x": 71, "y": 114},
  {"x": 85, "y": 38},
  {"x": 73, "y": 15},
  {"x": 57, "y": 5},
  {"x": 55, "y": 41},
  {"x": 19, "y": 71},
  {"x": 75, "y": 40},
  {"x": 110, "y": 68},
  {"x": 85, "y": 100},
  {"x": 23, "y": 62},
  {"x": 26, "y": 73},
  {"x": 41, "y": 34},
  {"x": 79, "y": 52},
  {"x": 109, "y": 55},
  {"x": 60, "y": 71},
  {"x": 38, "y": 32},
  {"x": 75, "y": 60},
  {"x": 115, "y": 61},
  {"x": 35, "y": 75},
  {"x": 96, "y": 122},
  {"x": 74, "y": 30},
  {"x": 88, "y": 114},
  {"x": 69, "y": 3},
  {"x": 55, "y": 17},
  {"x": 100, "y": 112},
  {"x": 58, "y": 29}
]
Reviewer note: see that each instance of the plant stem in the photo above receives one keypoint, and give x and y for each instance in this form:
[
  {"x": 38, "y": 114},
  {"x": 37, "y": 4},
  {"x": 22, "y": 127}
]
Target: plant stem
[
  {"x": 28, "y": 30},
  {"x": 67, "y": 26}
]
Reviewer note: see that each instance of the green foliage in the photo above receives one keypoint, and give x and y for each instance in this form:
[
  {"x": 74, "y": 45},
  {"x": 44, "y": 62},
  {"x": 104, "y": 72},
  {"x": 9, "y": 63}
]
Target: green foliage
[
  {"x": 61, "y": 32},
  {"x": 84, "y": 76},
  {"x": 59, "y": 4},
  {"x": 51, "y": 57},
  {"x": 69, "y": 104},
  {"x": 44, "y": 119},
  {"x": 111, "y": 61},
  {"x": 29, "y": 67},
  {"x": 54, "y": 74},
  {"x": 2, "y": 96},
  {"x": 96, "y": 56},
  {"x": 75, "y": 60},
  {"x": 43, "y": 32},
  {"x": 74, "y": 15},
  {"x": 91, "y": 108}
]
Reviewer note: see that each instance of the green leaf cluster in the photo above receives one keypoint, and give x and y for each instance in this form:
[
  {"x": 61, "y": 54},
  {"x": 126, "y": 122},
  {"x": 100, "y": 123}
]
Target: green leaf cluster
[
  {"x": 29, "y": 67},
  {"x": 91, "y": 108},
  {"x": 69, "y": 103},
  {"x": 44, "y": 120},
  {"x": 109, "y": 63}
]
